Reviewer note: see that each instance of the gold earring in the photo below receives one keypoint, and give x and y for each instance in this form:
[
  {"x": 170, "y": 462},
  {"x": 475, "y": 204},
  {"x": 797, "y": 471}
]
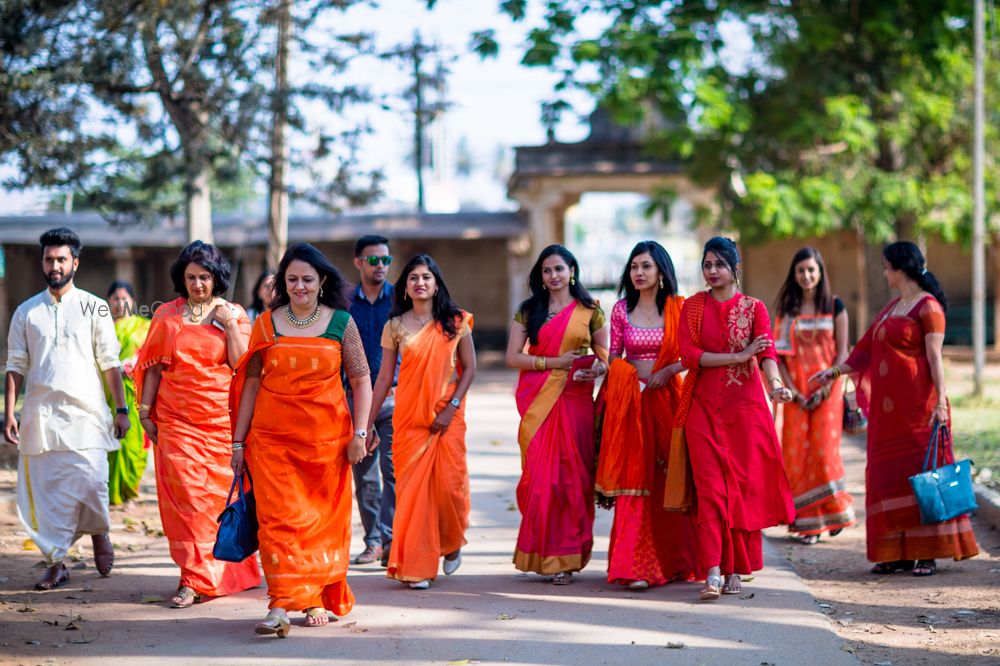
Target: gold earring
[
  {"x": 545, "y": 287},
  {"x": 321, "y": 292},
  {"x": 572, "y": 280},
  {"x": 661, "y": 282}
]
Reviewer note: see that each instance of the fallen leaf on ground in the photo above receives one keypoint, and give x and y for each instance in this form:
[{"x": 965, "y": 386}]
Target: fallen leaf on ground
[
  {"x": 747, "y": 596},
  {"x": 151, "y": 599},
  {"x": 32, "y": 642},
  {"x": 28, "y": 545},
  {"x": 81, "y": 640},
  {"x": 505, "y": 616},
  {"x": 51, "y": 623},
  {"x": 28, "y": 608},
  {"x": 74, "y": 624},
  {"x": 675, "y": 645}
]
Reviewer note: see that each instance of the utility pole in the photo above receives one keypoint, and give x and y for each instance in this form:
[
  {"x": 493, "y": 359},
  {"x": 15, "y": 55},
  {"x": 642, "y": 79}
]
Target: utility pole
[
  {"x": 418, "y": 101},
  {"x": 978, "y": 213},
  {"x": 277, "y": 208}
]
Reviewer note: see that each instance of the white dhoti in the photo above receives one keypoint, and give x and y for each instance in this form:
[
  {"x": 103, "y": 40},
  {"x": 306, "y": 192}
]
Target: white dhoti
[{"x": 62, "y": 495}]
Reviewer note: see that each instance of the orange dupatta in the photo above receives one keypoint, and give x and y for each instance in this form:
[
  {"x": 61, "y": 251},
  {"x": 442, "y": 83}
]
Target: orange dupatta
[
  {"x": 432, "y": 480},
  {"x": 626, "y": 452},
  {"x": 679, "y": 493}
]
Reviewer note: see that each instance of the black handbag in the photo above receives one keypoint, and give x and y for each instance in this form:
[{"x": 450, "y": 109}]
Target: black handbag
[
  {"x": 855, "y": 421},
  {"x": 944, "y": 492},
  {"x": 236, "y": 539}
]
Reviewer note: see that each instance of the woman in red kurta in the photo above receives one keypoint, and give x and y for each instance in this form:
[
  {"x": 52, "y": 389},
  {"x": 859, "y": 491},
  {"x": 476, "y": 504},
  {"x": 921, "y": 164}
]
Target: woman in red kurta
[
  {"x": 739, "y": 482},
  {"x": 901, "y": 355},
  {"x": 183, "y": 376},
  {"x": 811, "y": 334},
  {"x": 649, "y": 545}
]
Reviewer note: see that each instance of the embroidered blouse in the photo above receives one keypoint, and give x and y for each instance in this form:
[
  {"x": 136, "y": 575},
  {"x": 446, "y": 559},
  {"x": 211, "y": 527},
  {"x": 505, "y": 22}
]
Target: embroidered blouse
[{"x": 638, "y": 343}]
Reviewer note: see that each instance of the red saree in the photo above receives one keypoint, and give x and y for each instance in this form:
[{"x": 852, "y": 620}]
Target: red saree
[
  {"x": 432, "y": 479},
  {"x": 192, "y": 453},
  {"x": 740, "y": 484},
  {"x": 297, "y": 455},
  {"x": 556, "y": 435},
  {"x": 647, "y": 542},
  {"x": 810, "y": 441},
  {"x": 903, "y": 396}
]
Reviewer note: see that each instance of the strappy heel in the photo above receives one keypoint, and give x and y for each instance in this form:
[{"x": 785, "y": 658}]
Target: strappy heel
[{"x": 276, "y": 622}]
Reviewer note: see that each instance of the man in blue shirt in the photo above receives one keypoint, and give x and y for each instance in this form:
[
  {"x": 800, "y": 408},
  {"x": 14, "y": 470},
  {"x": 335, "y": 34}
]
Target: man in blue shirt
[{"x": 369, "y": 306}]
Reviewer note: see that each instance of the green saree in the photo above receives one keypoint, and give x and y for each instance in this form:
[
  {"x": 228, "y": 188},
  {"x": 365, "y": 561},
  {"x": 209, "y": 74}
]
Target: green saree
[{"x": 126, "y": 465}]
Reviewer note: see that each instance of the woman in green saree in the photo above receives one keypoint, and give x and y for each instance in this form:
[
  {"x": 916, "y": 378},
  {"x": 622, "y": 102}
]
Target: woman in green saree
[{"x": 126, "y": 465}]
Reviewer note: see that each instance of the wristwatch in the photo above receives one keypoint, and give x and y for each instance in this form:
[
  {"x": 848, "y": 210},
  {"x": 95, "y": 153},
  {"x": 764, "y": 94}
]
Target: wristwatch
[
  {"x": 122, "y": 410},
  {"x": 363, "y": 434},
  {"x": 456, "y": 403}
]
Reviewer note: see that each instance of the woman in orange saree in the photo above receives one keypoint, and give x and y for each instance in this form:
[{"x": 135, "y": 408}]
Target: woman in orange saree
[
  {"x": 901, "y": 355},
  {"x": 183, "y": 377},
  {"x": 811, "y": 334},
  {"x": 433, "y": 337},
  {"x": 551, "y": 332},
  {"x": 299, "y": 441},
  {"x": 649, "y": 545}
]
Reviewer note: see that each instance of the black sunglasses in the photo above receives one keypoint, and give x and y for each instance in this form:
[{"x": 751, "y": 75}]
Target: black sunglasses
[{"x": 374, "y": 259}]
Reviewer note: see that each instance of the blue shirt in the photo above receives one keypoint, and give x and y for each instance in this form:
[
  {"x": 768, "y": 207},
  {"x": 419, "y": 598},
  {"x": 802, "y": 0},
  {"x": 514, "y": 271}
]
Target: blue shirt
[{"x": 370, "y": 319}]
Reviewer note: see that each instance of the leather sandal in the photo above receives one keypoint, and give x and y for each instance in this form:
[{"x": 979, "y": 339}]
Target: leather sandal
[
  {"x": 896, "y": 566},
  {"x": 732, "y": 584},
  {"x": 712, "y": 589},
  {"x": 317, "y": 617},
  {"x": 56, "y": 576},
  {"x": 276, "y": 622},
  {"x": 104, "y": 553},
  {"x": 925, "y": 568},
  {"x": 185, "y": 598}
]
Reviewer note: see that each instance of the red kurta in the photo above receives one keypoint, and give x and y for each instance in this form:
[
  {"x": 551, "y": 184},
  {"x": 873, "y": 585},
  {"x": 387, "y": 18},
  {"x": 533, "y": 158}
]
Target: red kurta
[
  {"x": 903, "y": 396},
  {"x": 739, "y": 480}
]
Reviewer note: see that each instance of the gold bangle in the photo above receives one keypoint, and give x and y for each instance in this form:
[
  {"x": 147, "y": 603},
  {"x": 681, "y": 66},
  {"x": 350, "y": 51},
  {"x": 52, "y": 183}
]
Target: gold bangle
[
  {"x": 539, "y": 363},
  {"x": 836, "y": 371},
  {"x": 145, "y": 407}
]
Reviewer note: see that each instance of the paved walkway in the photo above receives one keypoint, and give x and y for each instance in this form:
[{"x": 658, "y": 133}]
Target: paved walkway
[{"x": 486, "y": 613}]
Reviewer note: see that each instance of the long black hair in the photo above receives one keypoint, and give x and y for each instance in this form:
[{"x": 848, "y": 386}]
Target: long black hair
[
  {"x": 789, "y": 302},
  {"x": 668, "y": 282},
  {"x": 444, "y": 310},
  {"x": 724, "y": 249},
  {"x": 208, "y": 257},
  {"x": 121, "y": 284},
  {"x": 257, "y": 303},
  {"x": 333, "y": 293},
  {"x": 907, "y": 257},
  {"x": 535, "y": 310}
]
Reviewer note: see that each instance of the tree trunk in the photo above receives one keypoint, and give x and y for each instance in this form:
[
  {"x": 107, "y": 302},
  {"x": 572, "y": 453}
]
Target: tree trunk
[
  {"x": 277, "y": 209},
  {"x": 197, "y": 195},
  {"x": 906, "y": 229},
  {"x": 864, "y": 309},
  {"x": 995, "y": 261}
]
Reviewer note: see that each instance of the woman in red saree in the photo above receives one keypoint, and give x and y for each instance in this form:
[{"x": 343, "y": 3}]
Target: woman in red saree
[
  {"x": 551, "y": 332},
  {"x": 433, "y": 336},
  {"x": 810, "y": 335},
  {"x": 183, "y": 377},
  {"x": 740, "y": 486},
  {"x": 298, "y": 438},
  {"x": 901, "y": 356},
  {"x": 649, "y": 545}
]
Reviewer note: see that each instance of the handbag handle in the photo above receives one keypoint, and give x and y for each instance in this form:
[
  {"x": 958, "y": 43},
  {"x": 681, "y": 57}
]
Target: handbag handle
[
  {"x": 237, "y": 485},
  {"x": 939, "y": 433}
]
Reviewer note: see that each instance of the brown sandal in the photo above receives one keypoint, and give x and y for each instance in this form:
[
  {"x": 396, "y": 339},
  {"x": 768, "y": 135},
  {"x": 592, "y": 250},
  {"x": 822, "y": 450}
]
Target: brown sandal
[
  {"x": 104, "y": 554},
  {"x": 56, "y": 576}
]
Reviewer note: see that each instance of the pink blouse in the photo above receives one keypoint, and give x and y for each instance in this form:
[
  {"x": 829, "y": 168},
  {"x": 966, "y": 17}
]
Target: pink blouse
[{"x": 638, "y": 344}]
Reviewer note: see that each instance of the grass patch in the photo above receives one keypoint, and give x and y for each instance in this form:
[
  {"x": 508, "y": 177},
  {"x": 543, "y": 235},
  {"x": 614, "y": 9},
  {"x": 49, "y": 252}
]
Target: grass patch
[{"x": 977, "y": 436}]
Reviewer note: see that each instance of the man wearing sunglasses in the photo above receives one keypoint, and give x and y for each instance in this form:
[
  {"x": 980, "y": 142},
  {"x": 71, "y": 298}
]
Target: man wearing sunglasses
[{"x": 370, "y": 306}]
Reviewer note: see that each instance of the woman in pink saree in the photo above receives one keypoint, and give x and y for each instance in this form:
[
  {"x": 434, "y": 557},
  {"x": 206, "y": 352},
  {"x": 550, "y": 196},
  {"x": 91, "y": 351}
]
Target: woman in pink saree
[{"x": 552, "y": 332}]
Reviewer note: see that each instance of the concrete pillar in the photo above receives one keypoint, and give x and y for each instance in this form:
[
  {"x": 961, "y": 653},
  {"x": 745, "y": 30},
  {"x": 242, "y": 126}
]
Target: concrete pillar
[{"x": 124, "y": 260}]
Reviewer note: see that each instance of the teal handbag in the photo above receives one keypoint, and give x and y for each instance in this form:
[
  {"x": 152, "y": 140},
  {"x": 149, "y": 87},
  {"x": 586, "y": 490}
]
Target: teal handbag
[
  {"x": 237, "y": 536},
  {"x": 946, "y": 492}
]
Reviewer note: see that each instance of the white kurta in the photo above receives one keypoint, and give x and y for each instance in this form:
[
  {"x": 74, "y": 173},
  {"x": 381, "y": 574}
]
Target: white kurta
[{"x": 66, "y": 429}]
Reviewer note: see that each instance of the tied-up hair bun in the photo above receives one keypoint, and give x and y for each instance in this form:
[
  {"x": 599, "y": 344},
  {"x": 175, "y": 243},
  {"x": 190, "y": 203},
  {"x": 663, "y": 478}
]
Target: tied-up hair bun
[{"x": 725, "y": 249}]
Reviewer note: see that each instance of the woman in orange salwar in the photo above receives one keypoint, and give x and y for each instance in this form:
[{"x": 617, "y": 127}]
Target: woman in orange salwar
[
  {"x": 649, "y": 545},
  {"x": 740, "y": 486},
  {"x": 901, "y": 355},
  {"x": 433, "y": 337},
  {"x": 555, "y": 397},
  {"x": 810, "y": 335},
  {"x": 183, "y": 376},
  {"x": 296, "y": 432}
]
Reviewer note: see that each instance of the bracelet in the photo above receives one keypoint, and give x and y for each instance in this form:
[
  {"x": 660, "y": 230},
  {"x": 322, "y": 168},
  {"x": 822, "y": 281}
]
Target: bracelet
[
  {"x": 239, "y": 446},
  {"x": 776, "y": 379},
  {"x": 145, "y": 406},
  {"x": 539, "y": 363},
  {"x": 836, "y": 371}
]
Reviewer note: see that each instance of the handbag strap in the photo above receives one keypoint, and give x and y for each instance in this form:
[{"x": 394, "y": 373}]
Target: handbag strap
[
  {"x": 237, "y": 485},
  {"x": 939, "y": 434}
]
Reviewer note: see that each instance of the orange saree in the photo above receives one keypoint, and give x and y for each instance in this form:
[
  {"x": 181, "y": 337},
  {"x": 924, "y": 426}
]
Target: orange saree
[
  {"x": 903, "y": 396},
  {"x": 432, "y": 480},
  {"x": 648, "y": 542},
  {"x": 297, "y": 455},
  {"x": 192, "y": 453},
  {"x": 810, "y": 440}
]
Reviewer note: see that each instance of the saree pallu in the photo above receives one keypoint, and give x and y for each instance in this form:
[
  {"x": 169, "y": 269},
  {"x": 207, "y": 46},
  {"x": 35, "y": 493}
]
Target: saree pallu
[
  {"x": 432, "y": 479},
  {"x": 739, "y": 480},
  {"x": 556, "y": 492},
  {"x": 647, "y": 542},
  {"x": 297, "y": 455},
  {"x": 127, "y": 465},
  {"x": 810, "y": 440},
  {"x": 893, "y": 354},
  {"x": 193, "y": 450}
]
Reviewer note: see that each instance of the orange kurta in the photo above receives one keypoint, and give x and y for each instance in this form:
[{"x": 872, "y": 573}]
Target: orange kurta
[
  {"x": 297, "y": 455},
  {"x": 432, "y": 480},
  {"x": 810, "y": 440},
  {"x": 193, "y": 449}
]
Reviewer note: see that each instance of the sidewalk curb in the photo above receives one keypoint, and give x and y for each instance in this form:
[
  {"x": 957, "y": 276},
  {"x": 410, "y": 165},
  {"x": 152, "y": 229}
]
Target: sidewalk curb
[{"x": 989, "y": 505}]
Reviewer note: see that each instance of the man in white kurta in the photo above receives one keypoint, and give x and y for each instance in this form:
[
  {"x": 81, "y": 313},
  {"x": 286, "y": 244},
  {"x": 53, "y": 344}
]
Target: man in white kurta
[{"x": 60, "y": 343}]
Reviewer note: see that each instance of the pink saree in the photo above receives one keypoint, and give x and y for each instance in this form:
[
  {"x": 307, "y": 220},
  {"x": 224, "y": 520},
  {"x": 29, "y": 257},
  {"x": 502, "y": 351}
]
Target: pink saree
[{"x": 556, "y": 435}]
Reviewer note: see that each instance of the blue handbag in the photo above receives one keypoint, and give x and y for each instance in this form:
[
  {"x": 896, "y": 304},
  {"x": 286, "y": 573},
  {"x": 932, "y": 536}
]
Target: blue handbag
[
  {"x": 946, "y": 492},
  {"x": 237, "y": 536}
]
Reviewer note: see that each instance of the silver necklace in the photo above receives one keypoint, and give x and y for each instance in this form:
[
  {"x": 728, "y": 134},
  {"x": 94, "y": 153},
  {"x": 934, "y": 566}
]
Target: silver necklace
[{"x": 301, "y": 323}]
